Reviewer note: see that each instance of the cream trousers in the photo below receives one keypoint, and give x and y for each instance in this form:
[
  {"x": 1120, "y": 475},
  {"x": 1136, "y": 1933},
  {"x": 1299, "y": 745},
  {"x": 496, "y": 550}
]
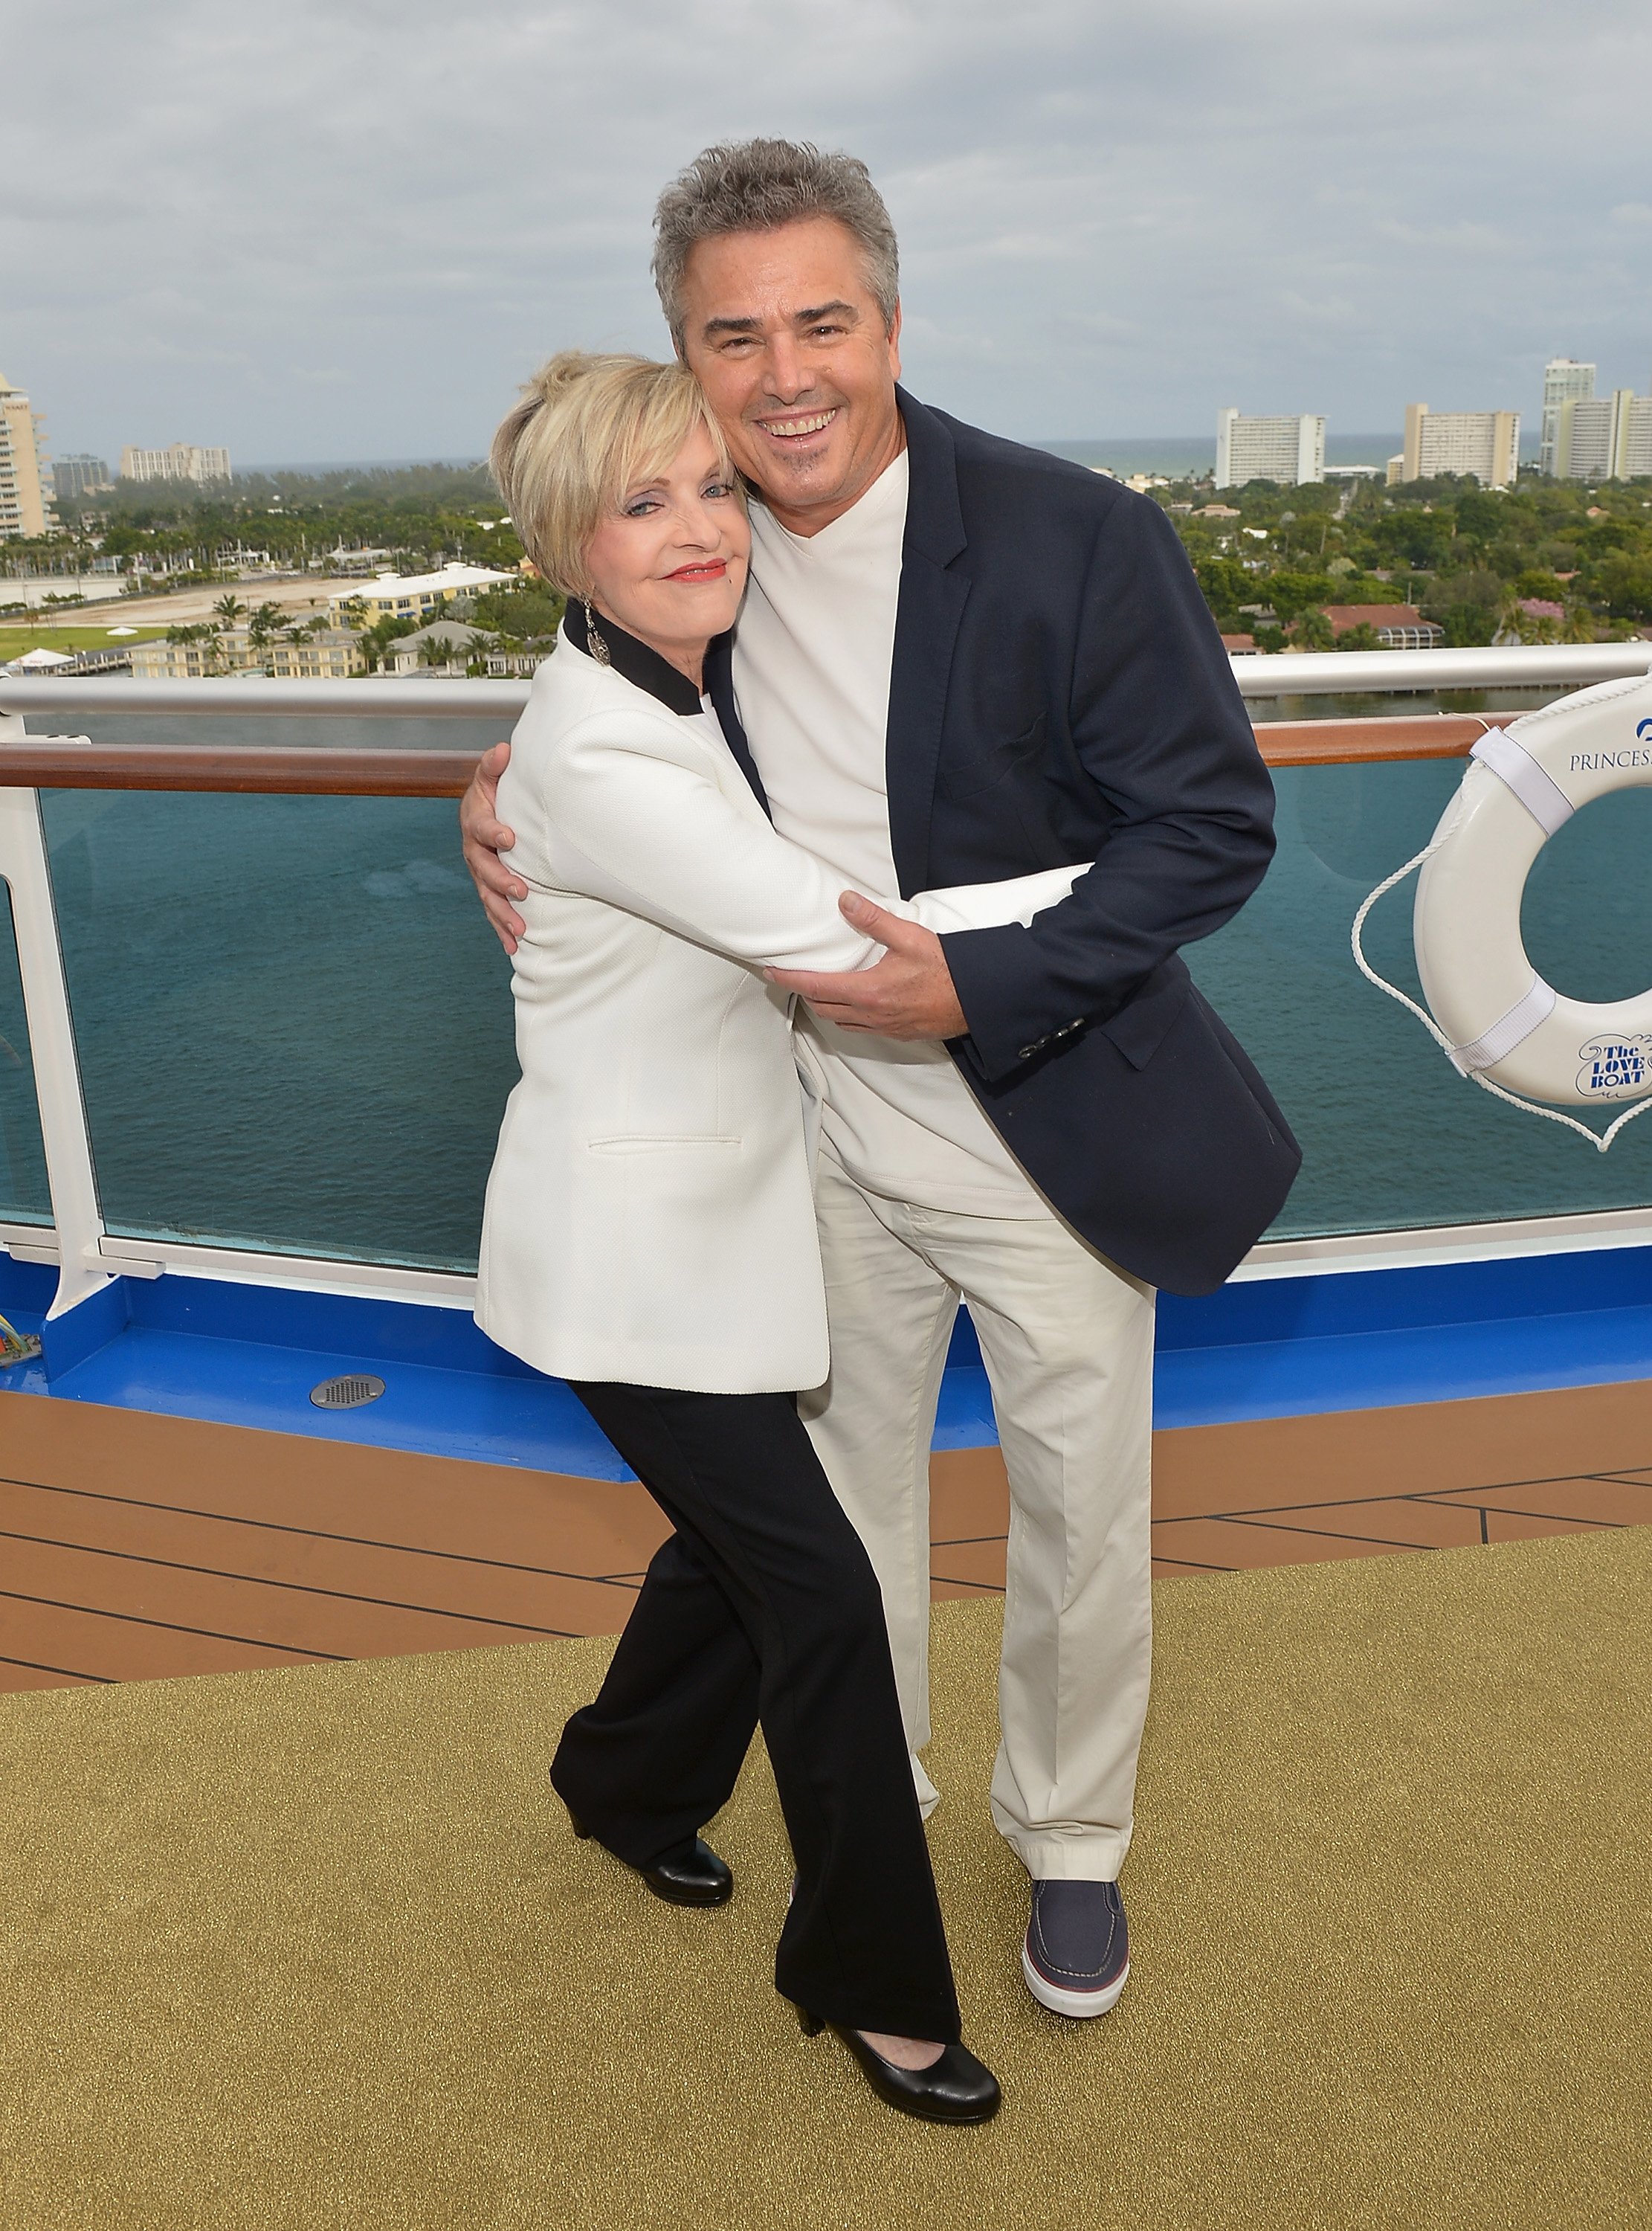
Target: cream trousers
[{"x": 1067, "y": 1342}]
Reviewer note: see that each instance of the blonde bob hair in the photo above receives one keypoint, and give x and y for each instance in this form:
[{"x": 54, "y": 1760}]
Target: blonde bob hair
[{"x": 586, "y": 429}]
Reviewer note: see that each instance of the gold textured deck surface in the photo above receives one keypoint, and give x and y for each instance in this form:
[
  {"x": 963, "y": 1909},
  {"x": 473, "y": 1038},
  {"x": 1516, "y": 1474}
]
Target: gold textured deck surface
[
  {"x": 135, "y": 1547},
  {"x": 312, "y": 1949}
]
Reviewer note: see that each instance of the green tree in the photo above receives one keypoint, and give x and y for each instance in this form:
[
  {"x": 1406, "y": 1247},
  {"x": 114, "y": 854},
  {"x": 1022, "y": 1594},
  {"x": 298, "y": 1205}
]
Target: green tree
[
  {"x": 1623, "y": 584},
  {"x": 1225, "y": 583},
  {"x": 1291, "y": 593},
  {"x": 530, "y": 614},
  {"x": 1537, "y": 581},
  {"x": 262, "y": 624},
  {"x": 377, "y": 640},
  {"x": 1468, "y": 605}
]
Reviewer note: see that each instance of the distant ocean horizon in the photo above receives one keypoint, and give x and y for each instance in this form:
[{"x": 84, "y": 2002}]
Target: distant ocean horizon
[
  {"x": 1176, "y": 455},
  {"x": 1179, "y": 456},
  {"x": 318, "y": 469}
]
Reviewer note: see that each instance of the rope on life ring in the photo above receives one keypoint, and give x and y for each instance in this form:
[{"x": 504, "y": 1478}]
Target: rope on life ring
[{"x": 1524, "y": 783}]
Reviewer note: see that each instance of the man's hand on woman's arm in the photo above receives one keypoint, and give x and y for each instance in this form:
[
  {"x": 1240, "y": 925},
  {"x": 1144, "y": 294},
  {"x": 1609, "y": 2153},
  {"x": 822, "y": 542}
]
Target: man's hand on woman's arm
[{"x": 485, "y": 838}]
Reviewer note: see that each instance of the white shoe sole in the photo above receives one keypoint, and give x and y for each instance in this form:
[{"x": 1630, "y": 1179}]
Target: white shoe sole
[{"x": 1080, "y": 2004}]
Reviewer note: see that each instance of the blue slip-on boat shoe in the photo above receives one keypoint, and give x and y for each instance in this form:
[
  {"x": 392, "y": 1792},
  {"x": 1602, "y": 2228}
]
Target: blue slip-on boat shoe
[{"x": 1076, "y": 1955}]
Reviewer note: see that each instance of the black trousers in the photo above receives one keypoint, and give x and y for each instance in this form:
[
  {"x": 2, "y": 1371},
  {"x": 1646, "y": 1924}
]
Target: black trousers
[{"x": 764, "y": 1607}]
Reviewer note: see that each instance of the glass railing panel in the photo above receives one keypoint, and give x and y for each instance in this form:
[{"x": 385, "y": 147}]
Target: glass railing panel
[
  {"x": 1392, "y": 1137},
  {"x": 295, "y": 1027},
  {"x": 24, "y": 1196},
  {"x": 294, "y": 1024}
]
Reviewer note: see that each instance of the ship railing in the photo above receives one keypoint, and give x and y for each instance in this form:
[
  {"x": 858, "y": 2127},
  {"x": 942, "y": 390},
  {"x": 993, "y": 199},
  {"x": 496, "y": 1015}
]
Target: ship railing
[{"x": 1351, "y": 1074}]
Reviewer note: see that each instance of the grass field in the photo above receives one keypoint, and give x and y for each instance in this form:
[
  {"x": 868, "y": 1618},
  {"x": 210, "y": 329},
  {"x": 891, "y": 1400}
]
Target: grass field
[{"x": 14, "y": 640}]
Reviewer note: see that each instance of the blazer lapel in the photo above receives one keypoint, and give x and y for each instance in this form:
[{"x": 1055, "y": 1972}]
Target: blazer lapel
[
  {"x": 720, "y": 688},
  {"x": 927, "y": 623}
]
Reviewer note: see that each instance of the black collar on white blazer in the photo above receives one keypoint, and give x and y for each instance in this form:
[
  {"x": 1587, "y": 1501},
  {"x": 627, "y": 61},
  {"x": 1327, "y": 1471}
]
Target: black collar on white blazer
[
  {"x": 635, "y": 662},
  {"x": 927, "y": 623}
]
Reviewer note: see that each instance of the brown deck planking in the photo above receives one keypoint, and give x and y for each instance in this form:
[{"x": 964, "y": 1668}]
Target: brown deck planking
[{"x": 134, "y": 1546}]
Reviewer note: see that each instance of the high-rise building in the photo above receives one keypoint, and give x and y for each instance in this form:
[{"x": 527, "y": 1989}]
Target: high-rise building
[
  {"x": 79, "y": 474},
  {"x": 1604, "y": 438},
  {"x": 1484, "y": 442},
  {"x": 1565, "y": 381},
  {"x": 25, "y": 507},
  {"x": 182, "y": 461},
  {"x": 1289, "y": 451}
]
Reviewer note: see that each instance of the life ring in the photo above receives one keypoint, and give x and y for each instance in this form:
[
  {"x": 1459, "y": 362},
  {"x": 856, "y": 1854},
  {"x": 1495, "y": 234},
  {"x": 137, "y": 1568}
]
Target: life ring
[{"x": 1504, "y": 1023}]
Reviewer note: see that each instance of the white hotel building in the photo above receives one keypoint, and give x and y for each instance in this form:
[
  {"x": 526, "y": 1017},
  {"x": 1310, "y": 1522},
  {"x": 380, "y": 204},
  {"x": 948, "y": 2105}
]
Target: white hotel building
[
  {"x": 1565, "y": 380},
  {"x": 1604, "y": 438},
  {"x": 1484, "y": 442},
  {"x": 1289, "y": 451},
  {"x": 184, "y": 460}
]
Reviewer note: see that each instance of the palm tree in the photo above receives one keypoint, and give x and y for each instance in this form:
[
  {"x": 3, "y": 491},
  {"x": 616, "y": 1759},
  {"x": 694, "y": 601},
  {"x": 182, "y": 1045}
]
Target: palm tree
[
  {"x": 1314, "y": 631},
  {"x": 262, "y": 624},
  {"x": 230, "y": 609},
  {"x": 436, "y": 650}
]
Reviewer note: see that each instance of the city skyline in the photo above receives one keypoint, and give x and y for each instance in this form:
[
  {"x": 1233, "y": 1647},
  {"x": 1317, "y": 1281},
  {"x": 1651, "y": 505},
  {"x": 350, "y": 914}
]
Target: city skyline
[{"x": 298, "y": 237}]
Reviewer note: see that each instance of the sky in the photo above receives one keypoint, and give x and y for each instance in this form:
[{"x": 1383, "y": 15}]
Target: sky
[{"x": 348, "y": 231}]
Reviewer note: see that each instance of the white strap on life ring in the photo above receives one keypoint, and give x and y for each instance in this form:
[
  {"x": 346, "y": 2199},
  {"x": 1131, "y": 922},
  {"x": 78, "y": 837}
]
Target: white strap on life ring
[
  {"x": 1497, "y": 1044},
  {"x": 1540, "y": 793},
  {"x": 1467, "y": 923}
]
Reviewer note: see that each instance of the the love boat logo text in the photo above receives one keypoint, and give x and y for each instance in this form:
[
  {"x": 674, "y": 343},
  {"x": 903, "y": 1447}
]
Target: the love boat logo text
[{"x": 1615, "y": 1065}]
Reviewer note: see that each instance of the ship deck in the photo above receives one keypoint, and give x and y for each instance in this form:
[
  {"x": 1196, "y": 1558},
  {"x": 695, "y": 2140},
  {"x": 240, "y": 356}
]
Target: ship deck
[
  {"x": 297, "y": 1936},
  {"x": 143, "y": 1546},
  {"x": 315, "y": 1946}
]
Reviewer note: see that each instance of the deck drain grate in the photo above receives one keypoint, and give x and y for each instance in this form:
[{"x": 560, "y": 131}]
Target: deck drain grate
[{"x": 348, "y": 1392}]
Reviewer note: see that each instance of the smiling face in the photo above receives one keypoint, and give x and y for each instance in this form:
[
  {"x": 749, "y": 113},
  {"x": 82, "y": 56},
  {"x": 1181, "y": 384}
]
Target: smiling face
[
  {"x": 786, "y": 338},
  {"x": 668, "y": 561}
]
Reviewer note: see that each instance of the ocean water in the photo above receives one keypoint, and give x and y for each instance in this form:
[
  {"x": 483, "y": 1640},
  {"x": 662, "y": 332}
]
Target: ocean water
[{"x": 295, "y": 1027}]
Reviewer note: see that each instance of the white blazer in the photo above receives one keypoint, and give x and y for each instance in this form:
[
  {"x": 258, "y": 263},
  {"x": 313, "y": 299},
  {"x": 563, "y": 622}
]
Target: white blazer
[{"x": 649, "y": 1216}]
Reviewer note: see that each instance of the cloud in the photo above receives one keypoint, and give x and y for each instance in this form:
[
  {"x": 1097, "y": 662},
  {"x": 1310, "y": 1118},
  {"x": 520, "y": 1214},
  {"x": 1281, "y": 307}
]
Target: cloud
[{"x": 349, "y": 229}]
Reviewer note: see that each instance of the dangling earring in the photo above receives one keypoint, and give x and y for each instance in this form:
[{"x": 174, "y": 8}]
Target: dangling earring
[{"x": 594, "y": 643}]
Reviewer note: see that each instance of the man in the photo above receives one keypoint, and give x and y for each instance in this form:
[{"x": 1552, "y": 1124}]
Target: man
[{"x": 960, "y": 661}]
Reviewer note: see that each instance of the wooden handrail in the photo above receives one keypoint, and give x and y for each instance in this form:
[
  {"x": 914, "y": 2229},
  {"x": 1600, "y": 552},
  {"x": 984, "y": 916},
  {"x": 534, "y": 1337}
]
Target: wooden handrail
[
  {"x": 297, "y": 770},
  {"x": 1360, "y": 743},
  {"x": 294, "y": 771}
]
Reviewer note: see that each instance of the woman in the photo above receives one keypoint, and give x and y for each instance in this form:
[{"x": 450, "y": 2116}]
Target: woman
[{"x": 649, "y": 1233}]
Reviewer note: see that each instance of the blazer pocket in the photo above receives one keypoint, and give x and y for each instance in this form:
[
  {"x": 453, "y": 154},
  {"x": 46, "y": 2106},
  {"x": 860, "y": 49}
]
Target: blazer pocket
[
  {"x": 655, "y": 1142},
  {"x": 1143, "y": 1024},
  {"x": 968, "y": 778}
]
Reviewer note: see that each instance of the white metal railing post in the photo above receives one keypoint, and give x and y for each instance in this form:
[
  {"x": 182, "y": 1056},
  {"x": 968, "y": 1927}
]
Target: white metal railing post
[{"x": 51, "y": 1040}]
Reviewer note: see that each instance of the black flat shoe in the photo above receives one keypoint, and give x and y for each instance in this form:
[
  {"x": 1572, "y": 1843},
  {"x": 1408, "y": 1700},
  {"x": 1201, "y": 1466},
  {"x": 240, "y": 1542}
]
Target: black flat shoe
[
  {"x": 956, "y": 2088},
  {"x": 689, "y": 1874}
]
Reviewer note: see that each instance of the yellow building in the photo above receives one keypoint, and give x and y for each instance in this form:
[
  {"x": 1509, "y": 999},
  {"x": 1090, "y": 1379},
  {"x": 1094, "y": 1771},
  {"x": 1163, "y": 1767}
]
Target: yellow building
[
  {"x": 333, "y": 656},
  {"x": 25, "y": 506},
  {"x": 411, "y": 596}
]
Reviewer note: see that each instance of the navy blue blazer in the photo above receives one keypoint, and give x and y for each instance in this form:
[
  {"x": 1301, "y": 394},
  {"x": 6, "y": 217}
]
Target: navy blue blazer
[{"x": 1059, "y": 694}]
